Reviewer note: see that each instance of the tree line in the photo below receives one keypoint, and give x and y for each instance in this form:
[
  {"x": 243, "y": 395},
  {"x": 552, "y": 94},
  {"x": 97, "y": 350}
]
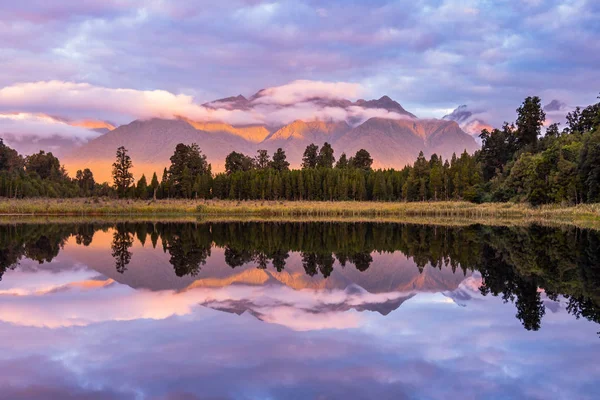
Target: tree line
[{"x": 515, "y": 163}]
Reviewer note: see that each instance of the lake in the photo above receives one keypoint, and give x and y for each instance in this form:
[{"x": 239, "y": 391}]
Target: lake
[{"x": 298, "y": 310}]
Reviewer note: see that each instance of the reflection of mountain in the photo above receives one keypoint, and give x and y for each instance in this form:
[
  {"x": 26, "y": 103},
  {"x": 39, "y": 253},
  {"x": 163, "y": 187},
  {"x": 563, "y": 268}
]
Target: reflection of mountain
[
  {"x": 150, "y": 269},
  {"x": 466, "y": 290},
  {"x": 393, "y": 136},
  {"x": 354, "y": 298},
  {"x": 389, "y": 273}
]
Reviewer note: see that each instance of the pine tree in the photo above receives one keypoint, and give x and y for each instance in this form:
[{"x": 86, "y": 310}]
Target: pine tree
[
  {"x": 435, "y": 177},
  {"x": 342, "y": 162},
  {"x": 189, "y": 160},
  {"x": 310, "y": 157},
  {"x": 165, "y": 185},
  {"x": 262, "y": 160},
  {"x": 154, "y": 186},
  {"x": 236, "y": 162},
  {"x": 325, "y": 158},
  {"x": 122, "y": 177},
  {"x": 362, "y": 160},
  {"x": 530, "y": 119},
  {"x": 279, "y": 161},
  {"x": 142, "y": 188}
]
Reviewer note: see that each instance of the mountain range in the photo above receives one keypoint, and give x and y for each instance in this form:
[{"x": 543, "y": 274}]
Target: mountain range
[{"x": 393, "y": 136}]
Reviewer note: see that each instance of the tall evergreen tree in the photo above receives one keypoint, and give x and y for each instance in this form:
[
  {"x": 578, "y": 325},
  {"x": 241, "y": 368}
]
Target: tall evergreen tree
[
  {"x": 498, "y": 147},
  {"x": 362, "y": 160},
  {"x": 10, "y": 160},
  {"x": 236, "y": 162},
  {"x": 325, "y": 158},
  {"x": 310, "y": 157},
  {"x": 342, "y": 163},
  {"x": 186, "y": 163},
  {"x": 85, "y": 181},
  {"x": 165, "y": 185},
  {"x": 122, "y": 176},
  {"x": 279, "y": 161},
  {"x": 262, "y": 160},
  {"x": 142, "y": 188},
  {"x": 530, "y": 119},
  {"x": 435, "y": 177},
  {"x": 154, "y": 185}
]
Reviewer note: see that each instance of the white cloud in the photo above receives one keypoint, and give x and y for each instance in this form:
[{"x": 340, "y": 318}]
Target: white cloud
[
  {"x": 277, "y": 105},
  {"x": 27, "y": 126},
  {"x": 301, "y": 90}
]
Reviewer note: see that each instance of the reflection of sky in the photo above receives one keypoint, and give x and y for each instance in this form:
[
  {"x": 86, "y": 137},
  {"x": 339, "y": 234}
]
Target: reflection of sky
[{"x": 68, "y": 333}]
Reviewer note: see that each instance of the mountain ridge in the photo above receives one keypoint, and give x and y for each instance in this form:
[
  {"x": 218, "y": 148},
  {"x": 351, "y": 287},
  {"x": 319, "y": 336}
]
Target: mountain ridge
[
  {"x": 392, "y": 143},
  {"x": 393, "y": 136}
]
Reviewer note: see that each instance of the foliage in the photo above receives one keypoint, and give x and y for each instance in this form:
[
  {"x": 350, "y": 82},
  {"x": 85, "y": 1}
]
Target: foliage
[
  {"x": 122, "y": 176},
  {"x": 279, "y": 161},
  {"x": 236, "y": 162},
  {"x": 310, "y": 158},
  {"x": 188, "y": 174}
]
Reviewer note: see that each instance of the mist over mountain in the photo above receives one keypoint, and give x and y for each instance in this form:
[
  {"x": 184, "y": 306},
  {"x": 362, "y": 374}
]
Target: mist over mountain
[
  {"x": 290, "y": 117},
  {"x": 470, "y": 121},
  {"x": 392, "y": 135}
]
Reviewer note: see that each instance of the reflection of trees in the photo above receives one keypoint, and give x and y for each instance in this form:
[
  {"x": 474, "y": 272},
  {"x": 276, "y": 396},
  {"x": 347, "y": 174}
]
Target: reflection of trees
[
  {"x": 500, "y": 278},
  {"x": 122, "y": 242},
  {"x": 84, "y": 234},
  {"x": 318, "y": 262},
  {"x": 39, "y": 242},
  {"x": 362, "y": 261},
  {"x": 237, "y": 257},
  {"x": 189, "y": 246},
  {"x": 514, "y": 261}
]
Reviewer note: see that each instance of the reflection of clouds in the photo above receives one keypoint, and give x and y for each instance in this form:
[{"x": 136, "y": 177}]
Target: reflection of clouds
[
  {"x": 447, "y": 353},
  {"x": 74, "y": 335},
  {"x": 494, "y": 47},
  {"x": 96, "y": 300},
  {"x": 467, "y": 290}
]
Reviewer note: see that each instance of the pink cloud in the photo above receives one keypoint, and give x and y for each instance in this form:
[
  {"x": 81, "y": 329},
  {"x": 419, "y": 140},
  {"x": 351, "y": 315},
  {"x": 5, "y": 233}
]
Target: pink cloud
[
  {"x": 27, "y": 125},
  {"x": 305, "y": 100},
  {"x": 301, "y": 90}
]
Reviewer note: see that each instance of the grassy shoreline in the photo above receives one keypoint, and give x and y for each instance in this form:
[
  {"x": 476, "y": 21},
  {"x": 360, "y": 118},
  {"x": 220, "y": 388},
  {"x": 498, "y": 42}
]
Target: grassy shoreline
[{"x": 589, "y": 213}]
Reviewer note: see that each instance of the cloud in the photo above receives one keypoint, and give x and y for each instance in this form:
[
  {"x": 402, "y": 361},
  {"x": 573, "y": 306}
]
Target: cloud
[
  {"x": 496, "y": 55},
  {"x": 27, "y": 126},
  {"x": 306, "y": 100},
  {"x": 31, "y": 132},
  {"x": 302, "y": 90},
  {"x": 472, "y": 120},
  {"x": 481, "y": 351},
  {"x": 81, "y": 302}
]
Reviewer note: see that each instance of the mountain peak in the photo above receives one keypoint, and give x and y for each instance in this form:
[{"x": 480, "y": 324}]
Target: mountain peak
[
  {"x": 386, "y": 103},
  {"x": 555, "y": 105},
  {"x": 230, "y": 103},
  {"x": 459, "y": 114}
]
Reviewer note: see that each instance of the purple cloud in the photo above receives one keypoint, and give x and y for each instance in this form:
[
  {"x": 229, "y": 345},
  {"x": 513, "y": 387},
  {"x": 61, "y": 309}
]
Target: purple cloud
[{"x": 430, "y": 56}]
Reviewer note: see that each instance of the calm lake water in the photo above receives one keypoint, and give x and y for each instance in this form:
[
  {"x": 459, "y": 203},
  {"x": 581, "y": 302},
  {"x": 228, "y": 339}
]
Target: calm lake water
[{"x": 263, "y": 310}]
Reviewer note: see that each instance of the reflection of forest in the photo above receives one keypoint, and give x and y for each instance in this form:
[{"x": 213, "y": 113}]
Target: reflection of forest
[{"x": 513, "y": 261}]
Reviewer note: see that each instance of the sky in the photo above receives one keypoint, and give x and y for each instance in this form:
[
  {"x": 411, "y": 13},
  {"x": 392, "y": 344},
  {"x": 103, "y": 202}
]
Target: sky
[{"x": 120, "y": 60}]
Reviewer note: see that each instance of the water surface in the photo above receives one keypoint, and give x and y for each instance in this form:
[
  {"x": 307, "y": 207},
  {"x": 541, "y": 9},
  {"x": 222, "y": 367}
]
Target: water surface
[{"x": 264, "y": 310}]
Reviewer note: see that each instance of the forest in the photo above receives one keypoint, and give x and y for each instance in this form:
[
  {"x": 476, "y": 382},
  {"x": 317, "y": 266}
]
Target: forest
[{"x": 516, "y": 163}]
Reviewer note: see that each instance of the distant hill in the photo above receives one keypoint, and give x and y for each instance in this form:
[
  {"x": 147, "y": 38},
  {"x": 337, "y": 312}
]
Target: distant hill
[
  {"x": 392, "y": 135},
  {"x": 392, "y": 143}
]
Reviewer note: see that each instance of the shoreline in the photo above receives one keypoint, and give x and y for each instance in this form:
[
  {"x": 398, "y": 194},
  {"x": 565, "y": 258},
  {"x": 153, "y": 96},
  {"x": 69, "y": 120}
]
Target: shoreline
[{"x": 583, "y": 214}]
